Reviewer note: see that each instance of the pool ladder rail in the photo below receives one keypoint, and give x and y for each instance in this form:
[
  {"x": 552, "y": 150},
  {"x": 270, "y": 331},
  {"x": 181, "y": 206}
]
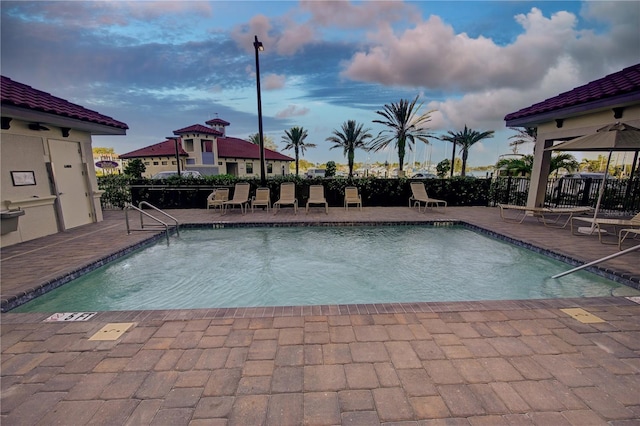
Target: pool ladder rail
[{"x": 157, "y": 223}]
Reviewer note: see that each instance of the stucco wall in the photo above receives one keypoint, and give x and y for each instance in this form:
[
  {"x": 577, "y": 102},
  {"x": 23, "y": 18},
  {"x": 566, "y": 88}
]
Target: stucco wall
[
  {"x": 23, "y": 149},
  {"x": 572, "y": 127}
]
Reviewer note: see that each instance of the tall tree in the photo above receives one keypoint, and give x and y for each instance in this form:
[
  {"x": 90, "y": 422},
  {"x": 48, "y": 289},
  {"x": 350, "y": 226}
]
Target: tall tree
[
  {"x": 563, "y": 160},
  {"x": 520, "y": 166},
  {"x": 405, "y": 126},
  {"x": 351, "y": 137},
  {"x": 523, "y": 135},
  {"x": 466, "y": 138},
  {"x": 294, "y": 138},
  {"x": 135, "y": 168},
  {"x": 267, "y": 140},
  {"x": 524, "y": 165},
  {"x": 454, "y": 140}
]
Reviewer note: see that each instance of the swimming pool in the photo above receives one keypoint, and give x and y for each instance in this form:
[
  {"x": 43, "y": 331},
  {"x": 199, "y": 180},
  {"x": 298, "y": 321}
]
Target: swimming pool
[{"x": 265, "y": 266}]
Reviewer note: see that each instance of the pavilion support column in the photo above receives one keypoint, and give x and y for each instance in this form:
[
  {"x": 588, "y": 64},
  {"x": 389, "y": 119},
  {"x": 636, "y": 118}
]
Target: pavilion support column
[{"x": 540, "y": 173}]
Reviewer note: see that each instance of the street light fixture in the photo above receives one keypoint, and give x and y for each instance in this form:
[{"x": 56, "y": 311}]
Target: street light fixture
[
  {"x": 176, "y": 141},
  {"x": 259, "y": 47}
]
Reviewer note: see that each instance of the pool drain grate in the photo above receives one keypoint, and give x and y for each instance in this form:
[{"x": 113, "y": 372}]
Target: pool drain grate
[
  {"x": 111, "y": 331},
  {"x": 581, "y": 315}
]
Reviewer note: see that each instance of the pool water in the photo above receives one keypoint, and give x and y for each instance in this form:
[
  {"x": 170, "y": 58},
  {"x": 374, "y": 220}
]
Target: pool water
[{"x": 247, "y": 267}]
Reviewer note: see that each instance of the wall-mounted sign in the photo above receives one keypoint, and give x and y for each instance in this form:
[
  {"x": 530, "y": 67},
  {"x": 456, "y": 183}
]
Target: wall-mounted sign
[
  {"x": 106, "y": 164},
  {"x": 23, "y": 178}
]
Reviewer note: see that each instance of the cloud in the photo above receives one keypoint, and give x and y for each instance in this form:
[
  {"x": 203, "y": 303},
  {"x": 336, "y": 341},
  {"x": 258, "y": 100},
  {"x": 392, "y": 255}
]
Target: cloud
[
  {"x": 485, "y": 110},
  {"x": 292, "y": 111},
  {"x": 274, "y": 81},
  {"x": 432, "y": 55},
  {"x": 348, "y": 15}
]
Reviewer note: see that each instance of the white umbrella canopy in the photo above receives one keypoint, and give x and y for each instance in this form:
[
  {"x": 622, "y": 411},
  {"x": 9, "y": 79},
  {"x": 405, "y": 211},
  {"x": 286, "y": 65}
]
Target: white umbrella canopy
[{"x": 613, "y": 137}]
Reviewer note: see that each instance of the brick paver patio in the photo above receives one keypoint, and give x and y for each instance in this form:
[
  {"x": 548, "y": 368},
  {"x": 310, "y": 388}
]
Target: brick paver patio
[{"x": 465, "y": 363}]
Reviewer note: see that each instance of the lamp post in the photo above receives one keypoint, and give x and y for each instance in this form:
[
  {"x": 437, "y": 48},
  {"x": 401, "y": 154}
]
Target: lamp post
[
  {"x": 259, "y": 47},
  {"x": 176, "y": 141}
]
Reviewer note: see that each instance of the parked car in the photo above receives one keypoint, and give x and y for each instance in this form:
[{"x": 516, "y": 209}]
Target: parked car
[
  {"x": 183, "y": 173},
  {"x": 574, "y": 183},
  {"x": 424, "y": 176},
  {"x": 315, "y": 173}
]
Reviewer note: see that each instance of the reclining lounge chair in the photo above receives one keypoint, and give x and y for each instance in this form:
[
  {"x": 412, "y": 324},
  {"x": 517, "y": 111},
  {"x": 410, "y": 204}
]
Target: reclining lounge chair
[
  {"x": 598, "y": 223},
  {"x": 217, "y": 198},
  {"x": 419, "y": 195},
  {"x": 240, "y": 198},
  {"x": 542, "y": 214},
  {"x": 287, "y": 197},
  {"x": 262, "y": 198},
  {"x": 351, "y": 196},
  {"x": 316, "y": 196}
]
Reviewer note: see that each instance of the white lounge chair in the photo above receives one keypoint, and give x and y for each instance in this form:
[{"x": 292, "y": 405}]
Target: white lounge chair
[
  {"x": 287, "y": 197},
  {"x": 419, "y": 195},
  {"x": 351, "y": 196},
  {"x": 316, "y": 196},
  {"x": 217, "y": 198},
  {"x": 541, "y": 213},
  {"x": 624, "y": 233},
  {"x": 262, "y": 198},
  {"x": 240, "y": 198},
  {"x": 598, "y": 223}
]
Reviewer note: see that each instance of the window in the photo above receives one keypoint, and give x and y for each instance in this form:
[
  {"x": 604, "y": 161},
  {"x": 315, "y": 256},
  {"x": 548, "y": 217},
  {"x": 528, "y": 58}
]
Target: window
[
  {"x": 269, "y": 167},
  {"x": 155, "y": 163},
  {"x": 164, "y": 163},
  {"x": 146, "y": 163},
  {"x": 173, "y": 162},
  {"x": 249, "y": 167},
  {"x": 188, "y": 145}
]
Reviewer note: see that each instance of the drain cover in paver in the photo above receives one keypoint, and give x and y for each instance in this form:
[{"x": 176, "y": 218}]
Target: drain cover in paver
[
  {"x": 111, "y": 331},
  {"x": 582, "y": 315}
]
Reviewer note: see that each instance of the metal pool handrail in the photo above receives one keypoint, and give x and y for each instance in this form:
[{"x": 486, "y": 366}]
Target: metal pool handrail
[
  {"x": 163, "y": 224},
  {"x": 611, "y": 256},
  {"x": 144, "y": 203}
]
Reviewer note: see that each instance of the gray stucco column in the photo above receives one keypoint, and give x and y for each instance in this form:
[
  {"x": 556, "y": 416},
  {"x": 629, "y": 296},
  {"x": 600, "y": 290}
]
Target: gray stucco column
[{"x": 540, "y": 173}]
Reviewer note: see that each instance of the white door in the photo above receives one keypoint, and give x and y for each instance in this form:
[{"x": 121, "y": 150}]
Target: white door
[{"x": 71, "y": 182}]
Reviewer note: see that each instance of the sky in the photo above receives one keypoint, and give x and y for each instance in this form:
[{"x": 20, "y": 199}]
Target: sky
[{"x": 160, "y": 66}]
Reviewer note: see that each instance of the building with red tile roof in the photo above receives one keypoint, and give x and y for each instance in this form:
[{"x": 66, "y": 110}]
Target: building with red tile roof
[
  {"x": 209, "y": 151},
  {"x": 48, "y": 173},
  {"x": 22, "y": 101},
  {"x": 618, "y": 89},
  {"x": 578, "y": 112}
]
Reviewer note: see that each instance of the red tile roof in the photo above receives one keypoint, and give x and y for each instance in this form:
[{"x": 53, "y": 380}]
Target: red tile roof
[
  {"x": 23, "y": 96},
  {"x": 162, "y": 149},
  {"x": 198, "y": 128},
  {"x": 217, "y": 121},
  {"x": 620, "y": 83},
  {"x": 239, "y": 148}
]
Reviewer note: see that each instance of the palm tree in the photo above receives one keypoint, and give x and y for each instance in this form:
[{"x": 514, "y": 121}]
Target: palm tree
[
  {"x": 405, "y": 126},
  {"x": 266, "y": 140},
  {"x": 466, "y": 139},
  {"x": 563, "y": 160},
  {"x": 524, "y": 164},
  {"x": 523, "y": 135},
  {"x": 454, "y": 140},
  {"x": 351, "y": 137},
  {"x": 516, "y": 166},
  {"x": 294, "y": 138}
]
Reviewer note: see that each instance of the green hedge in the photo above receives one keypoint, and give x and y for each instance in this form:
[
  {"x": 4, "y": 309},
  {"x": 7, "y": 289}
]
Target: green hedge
[{"x": 192, "y": 192}]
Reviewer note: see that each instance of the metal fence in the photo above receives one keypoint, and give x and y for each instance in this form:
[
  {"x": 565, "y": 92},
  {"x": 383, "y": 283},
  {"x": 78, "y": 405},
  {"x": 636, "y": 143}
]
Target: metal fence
[{"x": 620, "y": 195}]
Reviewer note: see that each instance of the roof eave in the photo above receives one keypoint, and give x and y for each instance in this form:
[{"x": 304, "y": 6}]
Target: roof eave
[
  {"x": 571, "y": 111},
  {"x": 31, "y": 115}
]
